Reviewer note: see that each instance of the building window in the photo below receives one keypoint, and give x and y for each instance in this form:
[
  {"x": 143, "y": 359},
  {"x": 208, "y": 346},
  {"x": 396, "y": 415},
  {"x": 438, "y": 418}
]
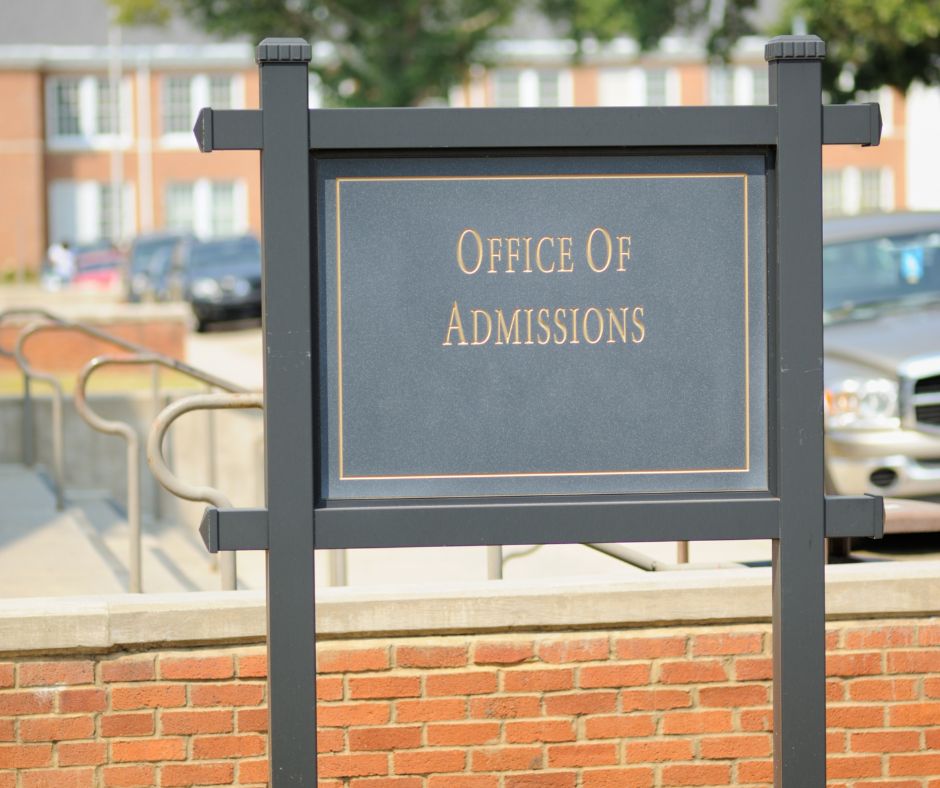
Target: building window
[
  {"x": 531, "y": 87},
  {"x": 720, "y": 85},
  {"x": 209, "y": 209},
  {"x": 656, "y": 95},
  {"x": 739, "y": 85},
  {"x": 872, "y": 189},
  {"x": 761, "y": 82},
  {"x": 81, "y": 112},
  {"x": 83, "y": 211},
  {"x": 185, "y": 94},
  {"x": 832, "y": 193}
]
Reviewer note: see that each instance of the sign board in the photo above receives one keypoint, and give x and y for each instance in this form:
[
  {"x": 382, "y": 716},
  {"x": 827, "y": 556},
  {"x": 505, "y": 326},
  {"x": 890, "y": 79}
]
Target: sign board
[{"x": 523, "y": 326}]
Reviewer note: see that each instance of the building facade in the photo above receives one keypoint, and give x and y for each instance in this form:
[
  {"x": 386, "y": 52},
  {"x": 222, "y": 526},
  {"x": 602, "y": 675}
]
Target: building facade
[{"x": 96, "y": 138}]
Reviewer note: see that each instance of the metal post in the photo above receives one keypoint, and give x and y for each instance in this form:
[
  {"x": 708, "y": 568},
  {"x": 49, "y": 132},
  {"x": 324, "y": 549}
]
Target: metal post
[
  {"x": 798, "y": 555},
  {"x": 339, "y": 575},
  {"x": 494, "y": 562},
  {"x": 290, "y": 394},
  {"x": 29, "y": 427}
]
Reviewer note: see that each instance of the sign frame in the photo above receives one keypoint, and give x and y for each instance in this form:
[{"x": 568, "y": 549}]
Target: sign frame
[{"x": 794, "y": 512}]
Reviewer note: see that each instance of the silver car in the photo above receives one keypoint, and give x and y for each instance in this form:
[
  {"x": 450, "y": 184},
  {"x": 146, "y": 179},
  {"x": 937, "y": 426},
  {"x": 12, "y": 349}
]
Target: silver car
[{"x": 882, "y": 354}]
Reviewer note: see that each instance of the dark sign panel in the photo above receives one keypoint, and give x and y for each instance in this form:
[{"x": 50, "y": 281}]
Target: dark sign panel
[{"x": 525, "y": 326}]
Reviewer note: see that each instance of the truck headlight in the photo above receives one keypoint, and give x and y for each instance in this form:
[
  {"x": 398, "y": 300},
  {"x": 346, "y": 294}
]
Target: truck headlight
[
  {"x": 207, "y": 289},
  {"x": 862, "y": 404}
]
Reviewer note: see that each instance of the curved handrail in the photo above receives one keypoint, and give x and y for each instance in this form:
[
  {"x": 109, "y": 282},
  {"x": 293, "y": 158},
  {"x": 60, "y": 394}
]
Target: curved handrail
[
  {"x": 173, "y": 483},
  {"x": 126, "y": 431}
]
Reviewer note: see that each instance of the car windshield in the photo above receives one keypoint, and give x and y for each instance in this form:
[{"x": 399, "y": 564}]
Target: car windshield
[
  {"x": 236, "y": 251},
  {"x": 145, "y": 252},
  {"x": 867, "y": 278}
]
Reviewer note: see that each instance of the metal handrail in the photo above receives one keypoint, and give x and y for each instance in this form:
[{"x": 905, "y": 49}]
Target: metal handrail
[
  {"x": 130, "y": 435},
  {"x": 173, "y": 483}
]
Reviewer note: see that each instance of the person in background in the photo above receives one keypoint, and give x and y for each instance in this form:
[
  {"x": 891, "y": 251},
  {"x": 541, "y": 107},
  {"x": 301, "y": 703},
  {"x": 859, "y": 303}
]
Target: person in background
[{"x": 62, "y": 261}]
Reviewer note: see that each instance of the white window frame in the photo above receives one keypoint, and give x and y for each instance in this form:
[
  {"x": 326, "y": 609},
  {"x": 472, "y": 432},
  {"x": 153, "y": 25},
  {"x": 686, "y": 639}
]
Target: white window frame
[
  {"x": 82, "y": 200},
  {"x": 202, "y": 205},
  {"x": 527, "y": 80},
  {"x": 88, "y": 137},
  {"x": 198, "y": 98}
]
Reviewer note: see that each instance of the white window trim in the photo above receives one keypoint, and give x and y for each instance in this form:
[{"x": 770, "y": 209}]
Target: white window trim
[
  {"x": 528, "y": 81},
  {"x": 851, "y": 190},
  {"x": 88, "y": 138},
  {"x": 202, "y": 206},
  {"x": 198, "y": 98}
]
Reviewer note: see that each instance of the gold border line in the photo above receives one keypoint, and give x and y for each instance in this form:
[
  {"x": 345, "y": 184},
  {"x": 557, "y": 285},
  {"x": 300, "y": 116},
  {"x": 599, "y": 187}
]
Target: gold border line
[{"x": 660, "y": 472}]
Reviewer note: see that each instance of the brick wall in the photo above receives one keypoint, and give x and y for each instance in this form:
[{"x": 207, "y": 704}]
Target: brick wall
[{"x": 668, "y": 706}]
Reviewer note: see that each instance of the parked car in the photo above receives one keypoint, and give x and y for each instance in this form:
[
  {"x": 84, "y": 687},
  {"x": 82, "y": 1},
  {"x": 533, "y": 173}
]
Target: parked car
[
  {"x": 882, "y": 354},
  {"x": 98, "y": 266},
  {"x": 150, "y": 255},
  {"x": 222, "y": 279}
]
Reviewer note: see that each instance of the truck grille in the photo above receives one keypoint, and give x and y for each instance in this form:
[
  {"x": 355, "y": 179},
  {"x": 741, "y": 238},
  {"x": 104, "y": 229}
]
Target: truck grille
[
  {"x": 928, "y": 414},
  {"x": 928, "y": 385}
]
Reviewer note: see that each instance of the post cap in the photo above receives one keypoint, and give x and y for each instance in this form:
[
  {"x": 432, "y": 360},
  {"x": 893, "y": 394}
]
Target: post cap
[
  {"x": 795, "y": 48},
  {"x": 283, "y": 50}
]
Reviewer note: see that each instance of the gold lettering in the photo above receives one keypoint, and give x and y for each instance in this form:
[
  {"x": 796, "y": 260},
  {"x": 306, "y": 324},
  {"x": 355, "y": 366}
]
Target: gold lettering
[
  {"x": 623, "y": 242},
  {"x": 460, "y": 261},
  {"x": 455, "y": 325},
  {"x": 476, "y": 326},
  {"x": 528, "y": 327},
  {"x": 621, "y": 327},
  {"x": 494, "y": 255},
  {"x": 600, "y": 325},
  {"x": 574, "y": 325},
  {"x": 639, "y": 324},
  {"x": 511, "y": 254},
  {"x": 559, "y": 318},
  {"x": 528, "y": 255},
  {"x": 590, "y": 251},
  {"x": 565, "y": 243},
  {"x": 502, "y": 330},
  {"x": 538, "y": 254},
  {"x": 541, "y": 318}
]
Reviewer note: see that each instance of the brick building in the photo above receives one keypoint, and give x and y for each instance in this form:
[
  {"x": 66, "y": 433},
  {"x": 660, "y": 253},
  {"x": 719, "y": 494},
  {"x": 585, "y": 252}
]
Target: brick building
[{"x": 95, "y": 137}]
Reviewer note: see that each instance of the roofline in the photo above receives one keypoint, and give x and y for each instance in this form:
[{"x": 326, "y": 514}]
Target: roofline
[{"x": 82, "y": 57}]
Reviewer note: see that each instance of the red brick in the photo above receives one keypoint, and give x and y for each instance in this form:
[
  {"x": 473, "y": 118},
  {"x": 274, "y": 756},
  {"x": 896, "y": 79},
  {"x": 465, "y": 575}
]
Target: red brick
[
  {"x": 579, "y": 755},
  {"x": 7, "y": 779},
  {"x": 756, "y": 771},
  {"x": 429, "y": 761},
  {"x": 82, "y": 753},
  {"x": 431, "y": 656},
  {"x": 367, "y": 687},
  {"x": 252, "y": 720},
  {"x": 613, "y": 676},
  {"x": 385, "y": 739},
  {"x": 431, "y": 710},
  {"x": 450, "y": 781},
  {"x": 151, "y": 696},
  {"x": 835, "y": 742},
  {"x": 697, "y": 722},
  {"x": 636, "y": 777},
  {"x": 886, "y": 741},
  {"x": 757, "y": 720},
  {"x": 148, "y": 750},
  {"x": 7, "y": 730},
  {"x": 180, "y": 774},
  {"x": 696, "y": 774},
  {"x": 882, "y": 689},
  {"x": 253, "y": 772},
  {"x": 477, "y": 683},
  {"x": 25, "y": 756},
  {"x": 650, "y": 648},
  {"x": 932, "y": 688},
  {"x": 128, "y": 669},
  {"x": 862, "y": 664},
  {"x": 580, "y": 703},
  {"x": 539, "y": 680},
  {"x": 734, "y": 747},
  {"x": 330, "y": 688},
  {"x": 847, "y": 767},
  {"x": 835, "y": 690},
  {"x": 503, "y": 652},
  {"x": 114, "y": 725},
  {"x": 692, "y": 672},
  {"x": 927, "y": 765},
  {"x": 129, "y": 776},
  {"x": 241, "y": 694},
  {"x": 350, "y": 660},
  {"x": 655, "y": 751},
  {"x": 753, "y": 669},
  {"x": 727, "y": 643},
  {"x": 928, "y": 635},
  {"x": 87, "y": 700},
  {"x": 196, "y": 668},
  {"x": 643, "y": 700},
  {"x": 190, "y": 722},
  {"x": 914, "y": 714},
  {"x": 541, "y": 780},
  {"x": 505, "y": 707},
  {"x": 621, "y": 726},
  {"x": 524, "y": 732},
  {"x": 35, "y": 702},
  {"x": 932, "y": 738},
  {"x": 855, "y": 716},
  {"x": 346, "y": 714},
  {"x": 878, "y": 637},
  {"x": 580, "y": 650},
  {"x": 49, "y": 674},
  {"x": 56, "y": 728},
  {"x": 462, "y": 733},
  {"x": 734, "y": 697},
  {"x": 59, "y": 778},
  {"x": 507, "y": 759},
  {"x": 212, "y": 748},
  {"x": 253, "y": 666},
  {"x": 927, "y": 661},
  {"x": 6, "y": 675}
]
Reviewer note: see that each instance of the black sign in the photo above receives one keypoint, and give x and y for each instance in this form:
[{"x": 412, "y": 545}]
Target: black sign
[{"x": 527, "y": 326}]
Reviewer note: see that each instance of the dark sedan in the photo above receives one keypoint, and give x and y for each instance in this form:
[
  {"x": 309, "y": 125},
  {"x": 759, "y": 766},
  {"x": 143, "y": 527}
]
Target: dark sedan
[{"x": 223, "y": 279}]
